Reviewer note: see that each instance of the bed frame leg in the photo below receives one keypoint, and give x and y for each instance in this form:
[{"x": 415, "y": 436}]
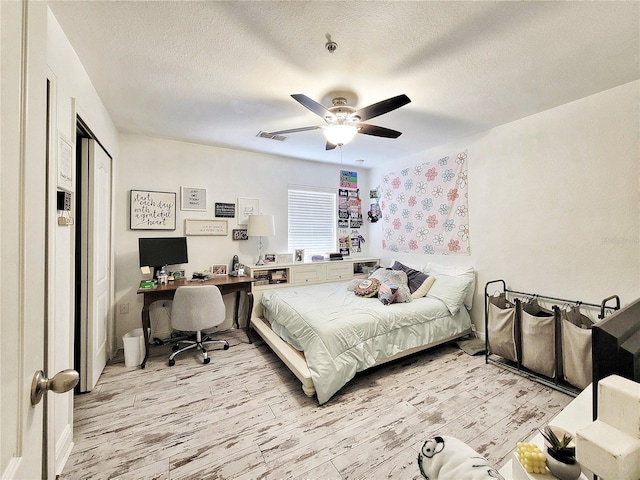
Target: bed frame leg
[{"x": 309, "y": 391}]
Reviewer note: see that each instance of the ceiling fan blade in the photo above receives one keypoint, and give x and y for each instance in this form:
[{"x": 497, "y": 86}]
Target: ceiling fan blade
[
  {"x": 312, "y": 105},
  {"x": 382, "y": 107},
  {"x": 378, "y": 131},
  {"x": 330, "y": 146},
  {"x": 294, "y": 130}
]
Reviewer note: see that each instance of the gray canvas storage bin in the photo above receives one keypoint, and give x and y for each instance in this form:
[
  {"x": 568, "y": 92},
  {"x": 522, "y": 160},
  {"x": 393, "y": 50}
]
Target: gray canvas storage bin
[
  {"x": 501, "y": 327},
  {"x": 538, "y": 327},
  {"x": 576, "y": 348}
]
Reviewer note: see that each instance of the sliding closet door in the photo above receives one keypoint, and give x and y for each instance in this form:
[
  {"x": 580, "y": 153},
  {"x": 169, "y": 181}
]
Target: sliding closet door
[{"x": 96, "y": 254}]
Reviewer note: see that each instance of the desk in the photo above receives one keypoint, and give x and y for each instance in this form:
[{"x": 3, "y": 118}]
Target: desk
[{"x": 166, "y": 292}]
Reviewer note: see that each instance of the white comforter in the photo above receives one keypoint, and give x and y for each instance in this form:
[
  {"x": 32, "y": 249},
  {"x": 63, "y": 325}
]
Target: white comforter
[{"x": 341, "y": 333}]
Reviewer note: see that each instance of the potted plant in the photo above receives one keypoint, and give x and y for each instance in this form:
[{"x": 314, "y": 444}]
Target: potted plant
[{"x": 561, "y": 454}]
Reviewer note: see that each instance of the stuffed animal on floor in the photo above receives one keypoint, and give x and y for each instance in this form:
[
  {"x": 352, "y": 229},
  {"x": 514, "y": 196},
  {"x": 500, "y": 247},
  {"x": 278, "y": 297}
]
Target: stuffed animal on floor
[{"x": 447, "y": 458}]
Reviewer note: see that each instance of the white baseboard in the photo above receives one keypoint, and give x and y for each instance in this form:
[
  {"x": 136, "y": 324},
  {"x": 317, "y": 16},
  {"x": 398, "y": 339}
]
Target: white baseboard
[{"x": 64, "y": 445}]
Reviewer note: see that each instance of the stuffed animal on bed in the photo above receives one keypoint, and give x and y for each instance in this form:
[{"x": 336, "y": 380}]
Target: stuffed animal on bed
[{"x": 447, "y": 458}]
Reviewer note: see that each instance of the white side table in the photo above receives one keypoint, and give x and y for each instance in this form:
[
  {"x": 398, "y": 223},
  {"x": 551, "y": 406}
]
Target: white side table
[{"x": 576, "y": 415}]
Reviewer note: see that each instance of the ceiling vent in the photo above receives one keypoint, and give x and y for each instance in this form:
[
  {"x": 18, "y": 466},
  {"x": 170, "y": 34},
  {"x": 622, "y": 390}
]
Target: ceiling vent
[{"x": 271, "y": 136}]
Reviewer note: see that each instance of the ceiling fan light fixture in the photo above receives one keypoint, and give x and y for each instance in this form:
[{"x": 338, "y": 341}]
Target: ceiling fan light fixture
[{"x": 340, "y": 134}]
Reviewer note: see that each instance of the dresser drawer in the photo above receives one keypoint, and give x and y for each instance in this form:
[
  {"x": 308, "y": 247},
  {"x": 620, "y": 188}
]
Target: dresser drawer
[
  {"x": 311, "y": 274},
  {"x": 339, "y": 271}
]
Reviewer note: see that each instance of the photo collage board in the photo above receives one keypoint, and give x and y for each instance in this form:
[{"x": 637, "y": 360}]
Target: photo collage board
[{"x": 349, "y": 214}]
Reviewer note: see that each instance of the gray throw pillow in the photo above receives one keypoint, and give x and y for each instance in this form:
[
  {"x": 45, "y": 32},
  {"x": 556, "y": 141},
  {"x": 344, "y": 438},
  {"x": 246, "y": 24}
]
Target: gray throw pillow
[{"x": 415, "y": 278}]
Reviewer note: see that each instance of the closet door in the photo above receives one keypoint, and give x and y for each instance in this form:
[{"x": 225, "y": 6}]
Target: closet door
[{"x": 96, "y": 251}]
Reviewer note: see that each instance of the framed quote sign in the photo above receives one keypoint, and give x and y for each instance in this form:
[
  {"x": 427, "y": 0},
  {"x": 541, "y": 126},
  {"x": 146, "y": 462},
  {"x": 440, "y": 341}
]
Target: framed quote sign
[
  {"x": 192, "y": 198},
  {"x": 246, "y": 207},
  {"x": 152, "y": 210},
  {"x": 205, "y": 227}
]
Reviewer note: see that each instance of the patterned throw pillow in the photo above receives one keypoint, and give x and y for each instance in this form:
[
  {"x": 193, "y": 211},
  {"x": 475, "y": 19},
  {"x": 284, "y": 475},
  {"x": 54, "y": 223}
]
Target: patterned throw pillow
[
  {"x": 397, "y": 277},
  {"x": 367, "y": 288},
  {"x": 388, "y": 292}
]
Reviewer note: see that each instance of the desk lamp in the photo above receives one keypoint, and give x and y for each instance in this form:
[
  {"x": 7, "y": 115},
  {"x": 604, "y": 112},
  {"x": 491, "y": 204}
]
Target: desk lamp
[{"x": 261, "y": 226}]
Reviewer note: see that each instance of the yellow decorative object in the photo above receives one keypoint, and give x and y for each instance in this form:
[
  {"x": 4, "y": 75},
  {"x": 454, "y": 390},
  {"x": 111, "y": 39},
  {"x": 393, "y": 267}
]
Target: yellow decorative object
[{"x": 531, "y": 458}]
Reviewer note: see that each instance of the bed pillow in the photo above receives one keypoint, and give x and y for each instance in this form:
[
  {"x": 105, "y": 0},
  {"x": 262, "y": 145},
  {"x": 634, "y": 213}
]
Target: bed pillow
[
  {"x": 455, "y": 271},
  {"x": 421, "y": 267},
  {"x": 397, "y": 277},
  {"x": 367, "y": 288},
  {"x": 451, "y": 290},
  {"x": 424, "y": 288},
  {"x": 415, "y": 278},
  {"x": 388, "y": 292}
]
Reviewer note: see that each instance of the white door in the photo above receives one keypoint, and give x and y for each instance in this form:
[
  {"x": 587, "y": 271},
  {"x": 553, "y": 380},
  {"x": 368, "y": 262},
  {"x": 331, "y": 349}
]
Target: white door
[
  {"x": 22, "y": 234},
  {"x": 96, "y": 251}
]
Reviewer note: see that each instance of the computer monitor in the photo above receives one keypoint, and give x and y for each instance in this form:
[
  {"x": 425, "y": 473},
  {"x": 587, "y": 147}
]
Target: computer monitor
[{"x": 157, "y": 252}]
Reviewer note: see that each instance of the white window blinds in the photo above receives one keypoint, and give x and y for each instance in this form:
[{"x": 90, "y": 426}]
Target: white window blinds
[{"x": 312, "y": 220}]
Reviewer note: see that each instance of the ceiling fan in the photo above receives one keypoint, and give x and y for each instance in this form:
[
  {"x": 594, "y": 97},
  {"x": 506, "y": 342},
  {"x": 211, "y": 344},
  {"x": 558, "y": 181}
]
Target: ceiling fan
[{"x": 344, "y": 121}]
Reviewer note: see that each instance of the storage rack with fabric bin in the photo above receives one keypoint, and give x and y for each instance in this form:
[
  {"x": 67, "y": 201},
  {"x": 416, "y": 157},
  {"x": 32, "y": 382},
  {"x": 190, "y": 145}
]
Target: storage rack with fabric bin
[{"x": 534, "y": 336}]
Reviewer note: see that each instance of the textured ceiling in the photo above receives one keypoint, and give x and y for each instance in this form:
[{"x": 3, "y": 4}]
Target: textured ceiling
[{"x": 218, "y": 72}]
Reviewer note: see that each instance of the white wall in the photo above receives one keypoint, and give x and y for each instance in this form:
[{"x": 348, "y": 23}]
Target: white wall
[
  {"x": 553, "y": 201},
  {"x": 163, "y": 165}
]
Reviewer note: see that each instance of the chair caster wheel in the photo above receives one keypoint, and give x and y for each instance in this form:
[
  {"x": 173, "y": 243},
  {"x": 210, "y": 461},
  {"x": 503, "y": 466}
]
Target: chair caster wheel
[
  {"x": 226, "y": 346},
  {"x": 172, "y": 362},
  {"x": 175, "y": 348},
  {"x": 207, "y": 360}
]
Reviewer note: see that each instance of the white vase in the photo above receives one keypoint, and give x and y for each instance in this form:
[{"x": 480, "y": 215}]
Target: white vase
[{"x": 561, "y": 470}]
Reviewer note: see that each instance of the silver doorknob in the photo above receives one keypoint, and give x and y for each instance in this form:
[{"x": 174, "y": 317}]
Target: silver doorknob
[{"x": 61, "y": 382}]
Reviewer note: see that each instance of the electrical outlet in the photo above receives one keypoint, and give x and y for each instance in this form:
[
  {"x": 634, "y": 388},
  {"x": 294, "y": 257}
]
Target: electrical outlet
[{"x": 124, "y": 308}]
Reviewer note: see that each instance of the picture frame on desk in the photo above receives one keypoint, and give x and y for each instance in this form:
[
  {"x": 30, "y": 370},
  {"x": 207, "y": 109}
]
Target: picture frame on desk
[
  {"x": 270, "y": 258},
  {"x": 177, "y": 274},
  {"x": 284, "y": 257},
  {"x": 299, "y": 255},
  {"x": 218, "y": 269}
]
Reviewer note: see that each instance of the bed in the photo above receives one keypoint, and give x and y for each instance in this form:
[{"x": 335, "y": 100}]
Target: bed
[{"x": 326, "y": 334}]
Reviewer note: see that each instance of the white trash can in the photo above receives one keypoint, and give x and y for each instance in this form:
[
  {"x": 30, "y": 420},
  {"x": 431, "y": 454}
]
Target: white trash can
[{"x": 133, "y": 347}]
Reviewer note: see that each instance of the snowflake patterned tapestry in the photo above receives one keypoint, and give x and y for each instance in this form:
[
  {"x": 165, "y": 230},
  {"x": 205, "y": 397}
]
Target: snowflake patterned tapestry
[{"x": 424, "y": 208}]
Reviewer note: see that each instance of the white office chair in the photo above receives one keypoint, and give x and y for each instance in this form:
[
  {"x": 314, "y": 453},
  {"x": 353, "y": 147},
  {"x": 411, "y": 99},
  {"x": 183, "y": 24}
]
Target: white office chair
[{"x": 196, "y": 308}]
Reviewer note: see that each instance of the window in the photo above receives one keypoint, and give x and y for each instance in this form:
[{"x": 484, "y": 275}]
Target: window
[{"x": 312, "y": 220}]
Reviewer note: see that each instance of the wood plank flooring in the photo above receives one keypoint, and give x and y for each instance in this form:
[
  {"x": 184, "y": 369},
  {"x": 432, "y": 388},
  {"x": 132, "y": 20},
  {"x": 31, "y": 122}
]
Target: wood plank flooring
[{"x": 244, "y": 416}]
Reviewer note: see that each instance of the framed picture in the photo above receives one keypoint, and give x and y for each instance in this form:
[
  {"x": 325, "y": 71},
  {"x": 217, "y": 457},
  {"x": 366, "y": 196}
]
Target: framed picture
[
  {"x": 246, "y": 207},
  {"x": 239, "y": 234},
  {"x": 218, "y": 269},
  {"x": 192, "y": 198},
  {"x": 284, "y": 257},
  {"x": 226, "y": 210},
  {"x": 270, "y": 258},
  {"x": 65, "y": 164},
  {"x": 177, "y": 274},
  {"x": 149, "y": 210},
  {"x": 205, "y": 227},
  {"x": 299, "y": 255}
]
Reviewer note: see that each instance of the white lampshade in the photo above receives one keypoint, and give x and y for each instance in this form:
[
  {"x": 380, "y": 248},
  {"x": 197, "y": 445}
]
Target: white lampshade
[
  {"x": 339, "y": 134},
  {"x": 261, "y": 226}
]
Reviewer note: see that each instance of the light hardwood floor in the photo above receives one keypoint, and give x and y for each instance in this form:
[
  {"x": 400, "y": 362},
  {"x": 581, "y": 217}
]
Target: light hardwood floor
[{"x": 244, "y": 416}]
